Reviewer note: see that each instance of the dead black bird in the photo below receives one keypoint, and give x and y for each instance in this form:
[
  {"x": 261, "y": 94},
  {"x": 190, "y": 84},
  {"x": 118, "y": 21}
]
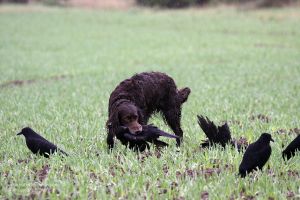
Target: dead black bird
[
  {"x": 127, "y": 138},
  {"x": 139, "y": 140},
  {"x": 256, "y": 155},
  {"x": 216, "y": 135},
  {"x": 291, "y": 149},
  {"x": 38, "y": 144}
]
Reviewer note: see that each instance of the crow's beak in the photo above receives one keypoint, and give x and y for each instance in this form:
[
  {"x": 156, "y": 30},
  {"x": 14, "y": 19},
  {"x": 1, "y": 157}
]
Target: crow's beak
[
  {"x": 272, "y": 140},
  {"x": 19, "y": 133}
]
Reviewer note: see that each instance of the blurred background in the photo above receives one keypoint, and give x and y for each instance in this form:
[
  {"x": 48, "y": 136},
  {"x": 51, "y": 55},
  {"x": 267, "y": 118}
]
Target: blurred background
[
  {"x": 61, "y": 59},
  {"x": 156, "y": 3}
]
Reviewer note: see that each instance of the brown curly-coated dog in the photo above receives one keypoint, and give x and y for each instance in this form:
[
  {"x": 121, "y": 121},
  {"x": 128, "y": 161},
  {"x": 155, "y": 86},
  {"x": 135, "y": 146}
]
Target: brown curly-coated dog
[{"x": 135, "y": 99}]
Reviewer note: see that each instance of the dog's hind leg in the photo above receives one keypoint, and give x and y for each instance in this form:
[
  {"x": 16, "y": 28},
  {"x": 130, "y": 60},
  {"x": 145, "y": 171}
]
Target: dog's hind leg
[{"x": 172, "y": 117}]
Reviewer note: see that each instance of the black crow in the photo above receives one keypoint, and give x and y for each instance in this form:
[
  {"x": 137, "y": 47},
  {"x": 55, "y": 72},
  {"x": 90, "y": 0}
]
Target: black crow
[
  {"x": 256, "y": 155},
  {"x": 139, "y": 140},
  {"x": 216, "y": 135},
  {"x": 219, "y": 135},
  {"x": 38, "y": 144},
  {"x": 291, "y": 149},
  {"x": 123, "y": 134}
]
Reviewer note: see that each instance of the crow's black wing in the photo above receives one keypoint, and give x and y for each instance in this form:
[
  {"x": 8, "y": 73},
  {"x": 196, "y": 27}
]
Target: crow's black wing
[
  {"x": 291, "y": 149},
  {"x": 139, "y": 137},
  {"x": 263, "y": 155},
  {"x": 209, "y": 128},
  {"x": 255, "y": 157},
  {"x": 41, "y": 146},
  {"x": 120, "y": 134},
  {"x": 126, "y": 137},
  {"x": 224, "y": 135},
  {"x": 249, "y": 161},
  {"x": 139, "y": 140},
  {"x": 258, "y": 158},
  {"x": 133, "y": 141},
  {"x": 37, "y": 135}
]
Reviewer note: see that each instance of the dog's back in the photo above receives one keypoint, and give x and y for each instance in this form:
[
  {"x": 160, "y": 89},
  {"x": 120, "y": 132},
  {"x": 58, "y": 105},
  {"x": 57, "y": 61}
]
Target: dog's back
[{"x": 148, "y": 91}]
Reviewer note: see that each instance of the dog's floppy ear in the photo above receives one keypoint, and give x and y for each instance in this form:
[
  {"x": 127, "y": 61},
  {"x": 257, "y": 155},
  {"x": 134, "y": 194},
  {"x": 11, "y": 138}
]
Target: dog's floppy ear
[
  {"x": 113, "y": 122},
  {"x": 112, "y": 125},
  {"x": 184, "y": 94},
  {"x": 141, "y": 116}
]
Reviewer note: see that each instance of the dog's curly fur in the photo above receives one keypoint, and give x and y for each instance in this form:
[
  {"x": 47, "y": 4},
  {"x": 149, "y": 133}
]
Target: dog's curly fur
[{"x": 145, "y": 94}]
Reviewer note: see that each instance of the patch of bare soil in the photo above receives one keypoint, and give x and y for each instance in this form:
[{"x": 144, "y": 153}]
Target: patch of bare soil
[
  {"x": 290, "y": 195},
  {"x": 288, "y": 131},
  {"x": 237, "y": 122},
  {"x": 261, "y": 117},
  {"x": 43, "y": 173},
  {"x": 179, "y": 198},
  {"x": 293, "y": 173},
  {"x": 23, "y": 161},
  {"x": 36, "y": 193},
  {"x": 174, "y": 185},
  {"x": 109, "y": 188},
  {"x": 143, "y": 156},
  {"x": 94, "y": 177},
  {"x": 204, "y": 195},
  {"x": 206, "y": 172},
  {"x": 244, "y": 195},
  {"x": 19, "y": 83},
  {"x": 240, "y": 143},
  {"x": 102, "y": 4}
]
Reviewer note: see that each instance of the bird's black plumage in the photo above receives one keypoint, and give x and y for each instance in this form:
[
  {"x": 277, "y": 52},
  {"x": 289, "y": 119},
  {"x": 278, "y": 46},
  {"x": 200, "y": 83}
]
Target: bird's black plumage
[
  {"x": 139, "y": 141},
  {"x": 256, "y": 155},
  {"x": 38, "y": 144},
  {"x": 219, "y": 135},
  {"x": 216, "y": 135},
  {"x": 291, "y": 149}
]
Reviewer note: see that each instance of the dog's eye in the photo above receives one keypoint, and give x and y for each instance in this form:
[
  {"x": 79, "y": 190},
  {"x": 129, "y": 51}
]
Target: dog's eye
[
  {"x": 134, "y": 117},
  {"x": 130, "y": 118}
]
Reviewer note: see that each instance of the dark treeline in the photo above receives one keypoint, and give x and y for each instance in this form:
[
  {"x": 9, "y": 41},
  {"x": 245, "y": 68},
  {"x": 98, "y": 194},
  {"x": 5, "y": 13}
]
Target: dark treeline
[
  {"x": 187, "y": 3},
  {"x": 176, "y": 3}
]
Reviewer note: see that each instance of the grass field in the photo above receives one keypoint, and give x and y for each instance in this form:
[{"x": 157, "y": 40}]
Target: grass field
[{"x": 59, "y": 66}]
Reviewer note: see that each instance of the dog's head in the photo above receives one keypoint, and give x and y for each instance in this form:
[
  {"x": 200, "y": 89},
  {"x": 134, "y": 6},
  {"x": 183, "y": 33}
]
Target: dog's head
[{"x": 126, "y": 114}]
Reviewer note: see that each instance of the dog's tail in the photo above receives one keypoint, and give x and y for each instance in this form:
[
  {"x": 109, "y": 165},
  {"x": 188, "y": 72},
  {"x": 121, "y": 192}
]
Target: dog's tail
[{"x": 184, "y": 94}]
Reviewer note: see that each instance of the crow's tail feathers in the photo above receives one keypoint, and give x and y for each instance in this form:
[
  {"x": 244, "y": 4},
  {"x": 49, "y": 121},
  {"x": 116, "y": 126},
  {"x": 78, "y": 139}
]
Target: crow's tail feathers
[
  {"x": 162, "y": 133},
  {"x": 208, "y": 127}
]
